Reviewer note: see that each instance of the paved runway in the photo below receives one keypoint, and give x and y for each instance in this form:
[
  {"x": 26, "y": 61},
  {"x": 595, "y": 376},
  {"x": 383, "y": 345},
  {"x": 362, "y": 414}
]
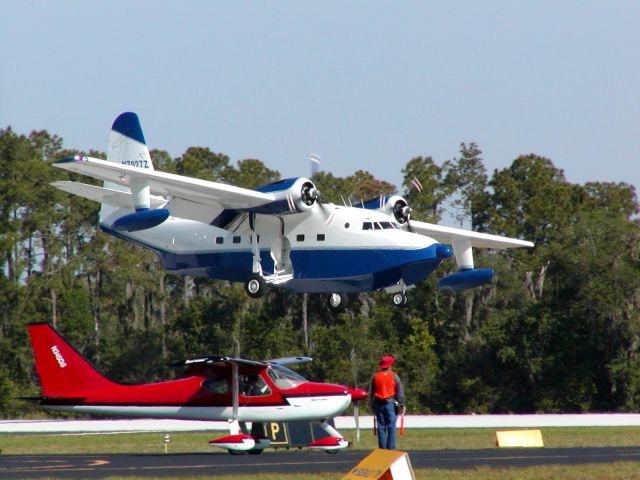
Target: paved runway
[{"x": 172, "y": 465}]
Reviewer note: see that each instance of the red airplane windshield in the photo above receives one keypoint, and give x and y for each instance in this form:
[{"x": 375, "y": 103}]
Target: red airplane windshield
[{"x": 285, "y": 378}]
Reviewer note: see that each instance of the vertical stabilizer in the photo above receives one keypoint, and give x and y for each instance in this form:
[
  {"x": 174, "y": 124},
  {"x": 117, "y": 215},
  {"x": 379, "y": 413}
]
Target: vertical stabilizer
[
  {"x": 63, "y": 371},
  {"x": 128, "y": 146}
]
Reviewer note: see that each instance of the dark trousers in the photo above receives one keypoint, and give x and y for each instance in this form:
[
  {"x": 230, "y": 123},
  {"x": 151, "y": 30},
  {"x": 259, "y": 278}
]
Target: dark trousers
[{"x": 386, "y": 418}]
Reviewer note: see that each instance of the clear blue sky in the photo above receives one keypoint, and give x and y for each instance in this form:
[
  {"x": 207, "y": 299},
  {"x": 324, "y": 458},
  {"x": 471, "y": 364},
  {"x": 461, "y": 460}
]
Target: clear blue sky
[{"x": 365, "y": 85}]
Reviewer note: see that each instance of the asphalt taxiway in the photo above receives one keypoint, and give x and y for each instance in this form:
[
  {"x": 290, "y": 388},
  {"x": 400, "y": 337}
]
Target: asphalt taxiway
[{"x": 293, "y": 461}]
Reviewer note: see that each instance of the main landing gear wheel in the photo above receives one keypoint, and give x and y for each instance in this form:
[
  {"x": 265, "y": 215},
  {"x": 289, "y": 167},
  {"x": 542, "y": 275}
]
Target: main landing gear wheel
[
  {"x": 337, "y": 302},
  {"x": 255, "y": 286},
  {"x": 400, "y": 299}
]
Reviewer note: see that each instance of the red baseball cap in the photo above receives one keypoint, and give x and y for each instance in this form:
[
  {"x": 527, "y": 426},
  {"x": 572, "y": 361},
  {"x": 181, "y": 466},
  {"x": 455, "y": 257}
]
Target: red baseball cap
[{"x": 386, "y": 361}]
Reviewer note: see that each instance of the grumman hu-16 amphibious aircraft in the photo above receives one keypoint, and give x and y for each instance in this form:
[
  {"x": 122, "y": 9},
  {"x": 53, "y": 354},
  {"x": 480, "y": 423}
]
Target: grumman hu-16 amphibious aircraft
[
  {"x": 279, "y": 234},
  {"x": 215, "y": 388}
]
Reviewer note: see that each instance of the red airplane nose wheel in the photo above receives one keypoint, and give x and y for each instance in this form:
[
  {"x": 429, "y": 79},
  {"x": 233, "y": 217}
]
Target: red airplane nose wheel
[{"x": 255, "y": 286}]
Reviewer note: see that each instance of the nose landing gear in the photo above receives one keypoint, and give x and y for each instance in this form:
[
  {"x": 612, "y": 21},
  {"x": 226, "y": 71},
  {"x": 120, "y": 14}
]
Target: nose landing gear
[{"x": 337, "y": 301}]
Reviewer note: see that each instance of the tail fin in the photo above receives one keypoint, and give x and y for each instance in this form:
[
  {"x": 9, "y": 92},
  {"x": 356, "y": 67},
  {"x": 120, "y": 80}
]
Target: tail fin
[
  {"x": 128, "y": 146},
  {"x": 63, "y": 371}
]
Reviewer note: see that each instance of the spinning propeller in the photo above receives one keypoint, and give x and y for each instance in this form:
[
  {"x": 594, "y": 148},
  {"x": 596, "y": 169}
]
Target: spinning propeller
[{"x": 357, "y": 394}]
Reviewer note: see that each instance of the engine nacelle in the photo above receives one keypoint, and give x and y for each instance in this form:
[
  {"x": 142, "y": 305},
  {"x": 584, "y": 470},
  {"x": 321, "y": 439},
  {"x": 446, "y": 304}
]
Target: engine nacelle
[
  {"x": 464, "y": 279},
  {"x": 398, "y": 207},
  {"x": 391, "y": 205},
  {"x": 292, "y": 195}
]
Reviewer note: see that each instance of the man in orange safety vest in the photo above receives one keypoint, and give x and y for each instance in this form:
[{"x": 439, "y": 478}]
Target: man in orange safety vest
[{"x": 386, "y": 393}]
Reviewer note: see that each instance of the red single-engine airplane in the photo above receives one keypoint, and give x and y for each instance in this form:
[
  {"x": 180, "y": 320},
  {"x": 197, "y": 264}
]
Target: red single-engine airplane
[{"x": 214, "y": 388}]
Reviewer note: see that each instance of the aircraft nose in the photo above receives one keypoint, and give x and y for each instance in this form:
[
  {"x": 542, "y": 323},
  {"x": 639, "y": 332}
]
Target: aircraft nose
[
  {"x": 357, "y": 394},
  {"x": 443, "y": 251}
]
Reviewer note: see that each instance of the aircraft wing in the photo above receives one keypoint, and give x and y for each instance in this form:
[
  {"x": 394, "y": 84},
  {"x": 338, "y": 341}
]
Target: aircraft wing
[
  {"x": 109, "y": 196},
  {"x": 449, "y": 235},
  {"x": 167, "y": 184},
  {"x": 216, "y": 359},
  {"x": 289, "y": 360}
]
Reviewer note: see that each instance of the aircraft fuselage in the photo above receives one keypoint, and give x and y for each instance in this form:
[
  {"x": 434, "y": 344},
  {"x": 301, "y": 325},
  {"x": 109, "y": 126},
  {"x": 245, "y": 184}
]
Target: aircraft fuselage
[{"x": 327, "y": 249}]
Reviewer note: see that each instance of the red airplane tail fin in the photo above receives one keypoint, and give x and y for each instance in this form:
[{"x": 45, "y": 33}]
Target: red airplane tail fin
[{"x": 63, "y": 371}]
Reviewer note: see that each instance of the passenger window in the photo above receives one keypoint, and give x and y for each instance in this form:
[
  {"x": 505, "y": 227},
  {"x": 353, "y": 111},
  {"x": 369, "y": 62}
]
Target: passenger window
[
  {"x": 219, "y": 240},
  {"x": 216, "y": 385},
  {"x": 320, "y": 237},
  {"x": 236, "y": 239},
  {"x": 366, "y": 226},
  {"x": 300, "y": 237}
]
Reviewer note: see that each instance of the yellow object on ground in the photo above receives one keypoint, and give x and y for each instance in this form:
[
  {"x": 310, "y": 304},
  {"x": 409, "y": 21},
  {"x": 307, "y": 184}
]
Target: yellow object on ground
[
  {"x": 383, "y": 465},
  {"x": 519, "y": 438}
]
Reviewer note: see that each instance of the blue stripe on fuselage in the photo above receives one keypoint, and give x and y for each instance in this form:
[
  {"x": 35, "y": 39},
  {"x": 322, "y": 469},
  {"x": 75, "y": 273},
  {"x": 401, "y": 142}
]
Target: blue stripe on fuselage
[{"x": 316, "y": 270}]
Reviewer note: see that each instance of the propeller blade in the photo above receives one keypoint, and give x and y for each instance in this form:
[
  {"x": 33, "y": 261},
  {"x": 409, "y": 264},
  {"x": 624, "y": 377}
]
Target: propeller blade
[{"x": 356, "y": 418}]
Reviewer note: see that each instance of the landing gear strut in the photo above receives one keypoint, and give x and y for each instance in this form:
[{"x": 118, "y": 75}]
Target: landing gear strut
[{"x": 337, "y": 302}]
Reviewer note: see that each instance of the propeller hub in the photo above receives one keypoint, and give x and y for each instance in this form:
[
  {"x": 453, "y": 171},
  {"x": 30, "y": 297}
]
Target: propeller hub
[
  {"x": 401, "y": 211},
  {"x": 309, "y": 194},
  {"x": 357, "y": 394}
]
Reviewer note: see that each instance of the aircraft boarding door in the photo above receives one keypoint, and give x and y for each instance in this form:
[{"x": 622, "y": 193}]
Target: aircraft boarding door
[{"x": 280, "y": 252}]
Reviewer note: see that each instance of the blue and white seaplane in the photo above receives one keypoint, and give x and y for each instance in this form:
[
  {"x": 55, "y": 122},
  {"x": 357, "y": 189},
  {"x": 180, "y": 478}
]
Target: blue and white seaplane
[{"x": 280, "y": 234}]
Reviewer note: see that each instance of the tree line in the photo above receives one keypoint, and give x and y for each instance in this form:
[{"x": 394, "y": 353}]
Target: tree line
[{"x": 557, "y": 331}]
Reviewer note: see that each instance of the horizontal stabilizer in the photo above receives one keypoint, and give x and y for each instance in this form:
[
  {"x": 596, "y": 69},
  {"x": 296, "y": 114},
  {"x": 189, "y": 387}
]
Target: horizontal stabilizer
[
  {"x": 167, "y": 184},
  {"x": 116, "y": 198}
]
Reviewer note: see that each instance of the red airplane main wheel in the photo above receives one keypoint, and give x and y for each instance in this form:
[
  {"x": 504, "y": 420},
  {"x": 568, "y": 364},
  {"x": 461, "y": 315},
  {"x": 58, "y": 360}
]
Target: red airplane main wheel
[{"x": 255, "y": 286}]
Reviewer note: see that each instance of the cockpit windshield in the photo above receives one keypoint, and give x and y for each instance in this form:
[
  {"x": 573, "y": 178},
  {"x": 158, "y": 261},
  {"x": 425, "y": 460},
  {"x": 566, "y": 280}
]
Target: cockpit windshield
[
  {"x": 285, "y": 378},
  {"x": 379, "y": 225}
]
